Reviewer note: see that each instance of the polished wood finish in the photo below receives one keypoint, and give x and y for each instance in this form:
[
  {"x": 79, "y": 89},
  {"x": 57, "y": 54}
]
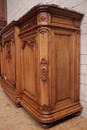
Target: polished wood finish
[
  {"x": 43, "y": 64},
  {"x": 10, "y": 61}
]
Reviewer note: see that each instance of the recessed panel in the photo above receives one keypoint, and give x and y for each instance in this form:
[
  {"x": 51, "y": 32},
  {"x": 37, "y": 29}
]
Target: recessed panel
[
  {"x": 29, "y": 71},
  {"x": 61, "y": 65}
]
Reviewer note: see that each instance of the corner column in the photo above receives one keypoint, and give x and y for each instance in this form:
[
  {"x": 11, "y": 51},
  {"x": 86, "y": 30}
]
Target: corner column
[{"x": 44, "y": 19}]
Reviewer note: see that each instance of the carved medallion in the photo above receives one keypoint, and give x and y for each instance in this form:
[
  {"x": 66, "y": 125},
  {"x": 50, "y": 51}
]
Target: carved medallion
[{"x": 44, "y": 70}]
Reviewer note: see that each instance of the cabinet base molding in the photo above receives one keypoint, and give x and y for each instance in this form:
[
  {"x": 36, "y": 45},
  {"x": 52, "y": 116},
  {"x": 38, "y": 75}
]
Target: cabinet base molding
[
  {"x": 46, "y": 118},
  {"x": 10, "y": 92}
]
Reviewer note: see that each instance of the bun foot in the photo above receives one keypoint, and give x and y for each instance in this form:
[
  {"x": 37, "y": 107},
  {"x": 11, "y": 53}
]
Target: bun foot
[
  {"x": 77, "y": 114},
  {"x": 46, "y": 126}
]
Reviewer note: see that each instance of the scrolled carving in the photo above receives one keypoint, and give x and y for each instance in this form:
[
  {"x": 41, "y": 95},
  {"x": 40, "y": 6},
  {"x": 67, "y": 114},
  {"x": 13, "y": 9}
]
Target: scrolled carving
[
  {"x": 43, "y": 30},
  {"x": 29, "y": 42},
  {"x": 9, "y": 38},
  {"x": 8, "y": 56},
  {"x": 45, "y": 108},
  {"x": 44, "y": 70}
]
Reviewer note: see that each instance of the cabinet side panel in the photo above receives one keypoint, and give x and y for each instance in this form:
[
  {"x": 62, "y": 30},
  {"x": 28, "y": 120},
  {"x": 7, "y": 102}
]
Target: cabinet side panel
[{"x": 62, "y": 66}]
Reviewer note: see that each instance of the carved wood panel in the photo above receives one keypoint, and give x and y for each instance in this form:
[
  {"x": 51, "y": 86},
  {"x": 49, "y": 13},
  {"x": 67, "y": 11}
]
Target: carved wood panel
[
  {"x": 9, "y": 59},
  {"x": 29, "y": 66}
]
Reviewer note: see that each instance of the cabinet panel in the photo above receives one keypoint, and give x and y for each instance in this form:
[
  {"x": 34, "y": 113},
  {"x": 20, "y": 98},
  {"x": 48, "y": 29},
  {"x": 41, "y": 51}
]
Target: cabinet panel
[
  {"x": 9, "y": 61},
  {"x": 29, "y": 67},
  {"x": 62, "y": 56},
  {"x": 62, "y": 66}
]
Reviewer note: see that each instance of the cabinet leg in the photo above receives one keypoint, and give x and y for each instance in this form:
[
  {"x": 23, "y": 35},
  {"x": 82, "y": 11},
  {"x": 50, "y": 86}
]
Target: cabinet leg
[
  {"x": 46, "y": 126},
  {"x": 18, "y": 104},
  {"x": 77, "y": 114}
]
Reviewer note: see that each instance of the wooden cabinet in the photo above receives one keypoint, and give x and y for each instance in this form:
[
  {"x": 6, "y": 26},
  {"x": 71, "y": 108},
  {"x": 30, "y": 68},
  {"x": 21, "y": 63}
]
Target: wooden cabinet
[
  {"x": 10, "y": 61},
  {"x": 42, "y": 62}
]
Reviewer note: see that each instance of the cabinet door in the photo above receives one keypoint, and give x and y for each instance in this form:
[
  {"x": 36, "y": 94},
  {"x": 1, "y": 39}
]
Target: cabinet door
[
  {"x": 63, "y": 57},
  {"x": 8, "y": 55},
  {"x": 28, "y": 61}
]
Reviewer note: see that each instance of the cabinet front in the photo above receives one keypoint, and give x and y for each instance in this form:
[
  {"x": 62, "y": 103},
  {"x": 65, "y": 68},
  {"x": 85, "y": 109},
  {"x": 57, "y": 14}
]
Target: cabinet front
[
  {"x": 8, "y": 59},
  {"x": 64, "y": 63}
]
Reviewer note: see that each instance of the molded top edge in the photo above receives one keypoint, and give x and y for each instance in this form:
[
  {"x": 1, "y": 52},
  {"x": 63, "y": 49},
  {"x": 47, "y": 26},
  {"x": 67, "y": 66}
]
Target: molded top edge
[
  {"x": 9, "y": 26},
  {"x": 53, "y": 9}
]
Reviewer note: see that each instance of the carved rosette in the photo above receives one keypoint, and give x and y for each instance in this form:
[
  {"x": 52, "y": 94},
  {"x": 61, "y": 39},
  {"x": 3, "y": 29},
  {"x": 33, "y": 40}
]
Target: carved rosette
[
  {"x": 45, "y": 108},
  {"x": 43, "y": 18},
  {"x": 29, "y": 42},
  {"x": 44, "y": 70}
]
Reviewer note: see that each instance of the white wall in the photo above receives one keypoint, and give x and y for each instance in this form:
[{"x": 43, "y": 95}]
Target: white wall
[{"x": 16, "y": 8}]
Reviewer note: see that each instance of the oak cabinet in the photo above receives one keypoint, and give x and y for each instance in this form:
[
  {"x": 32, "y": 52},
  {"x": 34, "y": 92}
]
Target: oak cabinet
[
  {"x": 10, "y": 61},
  {"x": 43, "y": 64}
]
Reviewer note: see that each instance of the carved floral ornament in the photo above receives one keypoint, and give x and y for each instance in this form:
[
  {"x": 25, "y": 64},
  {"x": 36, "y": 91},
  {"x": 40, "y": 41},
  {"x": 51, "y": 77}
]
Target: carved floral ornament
[
  {"x": 8, "y": 40},
  {"x": 44, "y": 70},
  {"x": 43, "y": 17},
  {"x": 45, "y": 107},
  {"x": 43, "y": 30},
  {"x": 29, "y": 42}
]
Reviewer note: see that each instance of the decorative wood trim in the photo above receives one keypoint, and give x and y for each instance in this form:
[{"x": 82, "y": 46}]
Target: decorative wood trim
[
  {"x": 44, "y": 70},
  {"x": 43, "y": 17},
  {"x": 45, "y": 108},
  {"x": 29, "y": 42},
  {"x": 9, "y": 38},
  {"x": 43, "y": 30},
  {"x": 8, "y": 55},
  {"x": 29, "y": 24}
]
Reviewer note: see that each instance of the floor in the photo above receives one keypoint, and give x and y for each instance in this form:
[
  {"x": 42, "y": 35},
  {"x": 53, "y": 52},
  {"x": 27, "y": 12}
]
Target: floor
[{"x": 14, "y": 118}]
